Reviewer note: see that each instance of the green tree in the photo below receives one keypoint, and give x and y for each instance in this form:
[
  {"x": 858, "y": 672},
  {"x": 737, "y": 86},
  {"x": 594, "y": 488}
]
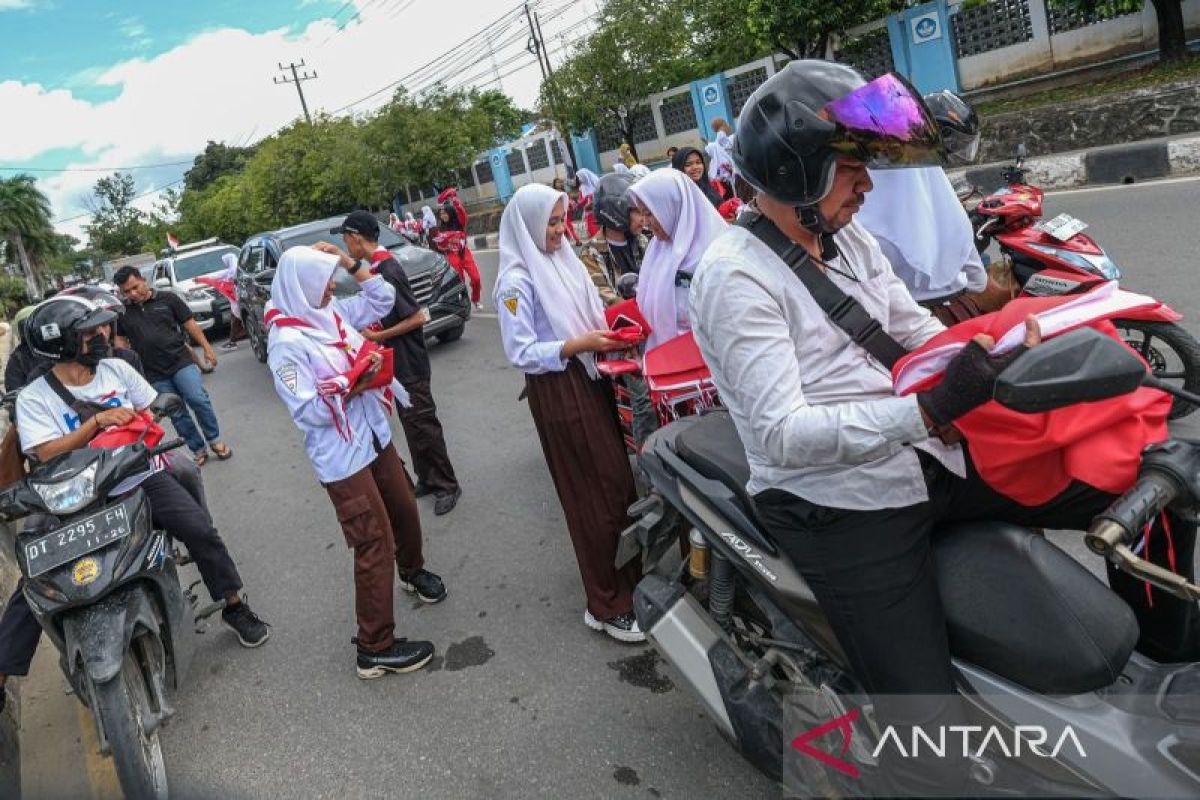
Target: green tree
[
  {"x": 1172, "y": 36},
  {"x": 116, "y": 226},
  {"x": 640, "y": 47},
  {"x": 803, "y": 28},
  {"x": 25, "y": 226},
  {"x": 722, "y": 36},
  {"x": 217, "y": 159}
]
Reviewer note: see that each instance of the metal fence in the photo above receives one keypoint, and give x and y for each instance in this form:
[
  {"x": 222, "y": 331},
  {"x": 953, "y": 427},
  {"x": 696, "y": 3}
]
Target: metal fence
[
  {"x": 1066, "y": 19},
  {"x": 678, "y": 114},
  {"x": 870, "y": 54},
  {"x": 537, "y": 155},
  {"x": 483, "y": 171},
  {"x": 990, "y": 26}
]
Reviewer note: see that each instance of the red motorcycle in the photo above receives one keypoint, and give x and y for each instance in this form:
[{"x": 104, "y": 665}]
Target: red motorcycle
[{"x": 1054, "y": 257}]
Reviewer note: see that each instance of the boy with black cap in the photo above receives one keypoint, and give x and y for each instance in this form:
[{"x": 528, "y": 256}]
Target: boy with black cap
[{"x": 402, "y": 332}]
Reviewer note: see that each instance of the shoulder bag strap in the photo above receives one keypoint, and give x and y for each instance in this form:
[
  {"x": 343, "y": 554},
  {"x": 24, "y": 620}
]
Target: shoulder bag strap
[{"x": 843, "y": 310}]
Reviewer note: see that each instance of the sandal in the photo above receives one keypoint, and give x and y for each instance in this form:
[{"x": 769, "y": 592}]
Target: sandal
[
  {"x": 223, "y": 452},
  {"x": 200, "y": 458}
]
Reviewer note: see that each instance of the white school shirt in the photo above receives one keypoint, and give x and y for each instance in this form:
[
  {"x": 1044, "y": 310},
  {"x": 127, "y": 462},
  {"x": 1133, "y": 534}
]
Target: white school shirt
[
  {"x": 42, "y": 416},
  {"x": 529, "y": 342},
  {"x": 297, "y": 367},
  {"x": 816, "y": 414}
]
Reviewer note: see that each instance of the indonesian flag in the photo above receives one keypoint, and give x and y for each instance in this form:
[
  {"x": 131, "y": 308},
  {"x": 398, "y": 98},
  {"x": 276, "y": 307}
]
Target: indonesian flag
[
  {"x": 172, "y": 241},
  {"x": 1034, "y": 457}
]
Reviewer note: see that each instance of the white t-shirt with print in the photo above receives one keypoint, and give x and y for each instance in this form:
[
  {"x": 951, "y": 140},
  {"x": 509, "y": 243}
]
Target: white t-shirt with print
[{"x": 42, "y": 416}]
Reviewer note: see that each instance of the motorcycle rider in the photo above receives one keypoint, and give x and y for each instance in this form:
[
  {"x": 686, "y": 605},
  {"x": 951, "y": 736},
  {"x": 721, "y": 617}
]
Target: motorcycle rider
[
  {"x": 618, "y": 247},
  {"x": 67, "y": 330},
  {"x": 849, "y": 479}
]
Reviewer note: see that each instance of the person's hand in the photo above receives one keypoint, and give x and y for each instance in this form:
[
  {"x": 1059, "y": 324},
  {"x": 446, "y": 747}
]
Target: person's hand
[
  {"x": 210, "y": 356},
  {"x": 595, "y": 342},
  {"x": 114, "y": 416},
  {"x": 969, "y": 380},
  {"x": 374, "y": 364},
  {"x": 329, "y": 248},
  {"x": 371, "y": 335}
]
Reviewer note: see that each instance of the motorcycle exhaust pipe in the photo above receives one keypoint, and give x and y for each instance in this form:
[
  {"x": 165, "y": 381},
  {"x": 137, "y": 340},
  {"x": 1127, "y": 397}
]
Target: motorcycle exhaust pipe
[{"x": 683, "y": 633}]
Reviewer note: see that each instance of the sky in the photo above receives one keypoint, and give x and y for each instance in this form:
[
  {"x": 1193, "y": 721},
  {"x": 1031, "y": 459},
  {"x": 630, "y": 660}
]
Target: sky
[{"x": 91, "y": 84}]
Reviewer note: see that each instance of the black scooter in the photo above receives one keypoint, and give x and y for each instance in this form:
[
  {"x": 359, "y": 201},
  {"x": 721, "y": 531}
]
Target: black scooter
[
  {"x": 1036, "y": 639},
  {"x": 102, "y": 582}
]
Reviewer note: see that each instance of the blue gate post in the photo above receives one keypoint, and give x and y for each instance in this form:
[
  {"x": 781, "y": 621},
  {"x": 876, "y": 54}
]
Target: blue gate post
[
  {"x": 587, "y": 155},
  {"x": 500, "y": 174},
  {"x": 923, "y": 47},
  {"x": 710, "y": 99}
]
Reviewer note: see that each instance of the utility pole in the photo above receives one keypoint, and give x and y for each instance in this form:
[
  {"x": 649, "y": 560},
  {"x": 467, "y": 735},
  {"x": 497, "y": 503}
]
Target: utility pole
[
  {"x": 537, "y": 46},
  {"x": 296, "y": 79}
]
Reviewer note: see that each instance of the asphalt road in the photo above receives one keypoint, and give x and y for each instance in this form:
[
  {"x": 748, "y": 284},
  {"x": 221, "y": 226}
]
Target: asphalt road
[{"x": 523, "y": 701}]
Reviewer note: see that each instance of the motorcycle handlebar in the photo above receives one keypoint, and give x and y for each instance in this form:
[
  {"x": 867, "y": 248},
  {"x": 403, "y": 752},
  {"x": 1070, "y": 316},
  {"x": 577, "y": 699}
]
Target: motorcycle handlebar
[
  {"x": 167, "y": 446},
  {"x": 1123, "y": 520}
]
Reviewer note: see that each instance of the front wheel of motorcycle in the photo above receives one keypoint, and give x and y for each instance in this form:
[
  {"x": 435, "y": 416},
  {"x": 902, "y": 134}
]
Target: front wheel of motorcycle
[
  {"x": 123, "y": 705},
  {"x": 1172, "y": 353}
]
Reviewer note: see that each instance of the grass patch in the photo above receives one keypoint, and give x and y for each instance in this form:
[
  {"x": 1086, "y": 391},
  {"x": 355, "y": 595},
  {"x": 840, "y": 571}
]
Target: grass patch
[{"x": 1150, "y": 75}]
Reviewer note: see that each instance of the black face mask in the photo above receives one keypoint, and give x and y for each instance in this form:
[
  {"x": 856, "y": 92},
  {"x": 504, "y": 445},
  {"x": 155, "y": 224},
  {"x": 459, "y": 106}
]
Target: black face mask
[{"x": 97, "y": 348}]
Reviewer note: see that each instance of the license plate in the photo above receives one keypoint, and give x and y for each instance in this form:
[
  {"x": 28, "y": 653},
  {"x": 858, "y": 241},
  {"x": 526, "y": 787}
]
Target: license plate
[
  {"x": 1063, "y": 227},
  {"x": 81, "y": 537}
]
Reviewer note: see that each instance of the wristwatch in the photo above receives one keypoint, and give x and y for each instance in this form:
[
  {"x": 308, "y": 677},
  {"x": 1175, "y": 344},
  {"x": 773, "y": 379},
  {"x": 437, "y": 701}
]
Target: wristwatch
[{"x": 357, "y": 266}]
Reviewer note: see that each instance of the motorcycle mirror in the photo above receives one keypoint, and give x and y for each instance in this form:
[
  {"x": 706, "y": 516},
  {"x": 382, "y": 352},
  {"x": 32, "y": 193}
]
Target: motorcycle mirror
[
  {"x": 165, "y": 404},
  {"x": 627, "y": 285},
  {"x": 1081, "y": 366},
  {"x": 1022, "y": 152}
]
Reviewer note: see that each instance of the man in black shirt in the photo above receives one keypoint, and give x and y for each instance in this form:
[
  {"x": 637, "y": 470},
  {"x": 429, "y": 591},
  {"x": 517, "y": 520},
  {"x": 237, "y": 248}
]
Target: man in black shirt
[
  {"x": 402, "y": 333},
  {"x": 155, "y": 323}
]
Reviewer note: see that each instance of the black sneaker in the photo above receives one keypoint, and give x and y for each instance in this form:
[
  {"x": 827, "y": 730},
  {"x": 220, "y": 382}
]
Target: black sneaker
[
  {"x": 251, "y": 631},
  {"x": 446, "y": 502},
  {"x": 425, "y": 585},
  {"x": 402, "y": 656},
  {"x": 422, "y": 490},
  {"x": 623, "y": 628}
]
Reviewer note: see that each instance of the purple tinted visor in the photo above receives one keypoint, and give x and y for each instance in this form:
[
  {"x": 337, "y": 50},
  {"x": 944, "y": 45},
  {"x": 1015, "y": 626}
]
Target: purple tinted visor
[{"x": 885, "y": 124}]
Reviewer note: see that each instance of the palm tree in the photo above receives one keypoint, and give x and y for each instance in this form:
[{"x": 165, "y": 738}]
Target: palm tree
[{"x": 25, "y": 225}]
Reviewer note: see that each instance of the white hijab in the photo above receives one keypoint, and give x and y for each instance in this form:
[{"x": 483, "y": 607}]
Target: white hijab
[
  {"x": 564, "y": 290},
  {"x": 921, "y": 227},
  {"x": 720, "y": 163},
  {"x": 230, "y": 271},
  {"x": 685, "y": 213},
  {"x": 296, "y": 295},
  {"x": 588, "y": 181},
  {"x": 620, "y": 168},
  {"x": 428, "y": 218},
  {"x": 639, "y": 171}
]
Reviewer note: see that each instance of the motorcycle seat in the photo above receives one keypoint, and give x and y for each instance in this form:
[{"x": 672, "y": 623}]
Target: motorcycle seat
[
  {"x": 711, "y": 446},
  {"x": 1019, "y": 607}
]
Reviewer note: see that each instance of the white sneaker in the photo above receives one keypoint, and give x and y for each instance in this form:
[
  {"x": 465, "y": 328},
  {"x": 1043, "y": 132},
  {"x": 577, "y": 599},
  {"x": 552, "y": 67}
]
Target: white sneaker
[
  {"x": 623, "y": 628},
  {"x": 479, "y": 306}
]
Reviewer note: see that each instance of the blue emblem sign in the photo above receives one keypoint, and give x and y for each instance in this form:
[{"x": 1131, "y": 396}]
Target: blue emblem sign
[
  {"x": 711, "y": 94},
  {"x": 926, "y": 28}
]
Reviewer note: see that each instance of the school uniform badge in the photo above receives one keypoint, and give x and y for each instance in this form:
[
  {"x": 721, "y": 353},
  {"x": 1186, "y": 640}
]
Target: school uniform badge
[
  {"x": 287, "y": 374},
  {"x": 510, "y": 302}
]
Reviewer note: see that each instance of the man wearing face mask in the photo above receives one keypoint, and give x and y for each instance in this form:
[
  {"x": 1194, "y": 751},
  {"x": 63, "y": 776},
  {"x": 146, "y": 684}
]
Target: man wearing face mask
[{"x": 105, "y": 392}]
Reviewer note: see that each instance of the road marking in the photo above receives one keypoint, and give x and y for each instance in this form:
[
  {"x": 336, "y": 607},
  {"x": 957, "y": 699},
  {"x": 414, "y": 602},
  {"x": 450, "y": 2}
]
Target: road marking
[
  {"x": 488, "y": 250},
  {"x": 1109, "y": 188},
  {"x": 102, "y": 778},
  {"x": 486, "y": 315}
]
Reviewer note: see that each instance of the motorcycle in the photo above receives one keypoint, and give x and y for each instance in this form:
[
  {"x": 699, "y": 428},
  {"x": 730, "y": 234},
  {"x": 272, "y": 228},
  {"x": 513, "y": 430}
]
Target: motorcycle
[
  {"x": 1054, "y": 257},
  {"x": 103, "y": 584},
  {"x": 739, "y": 623}
]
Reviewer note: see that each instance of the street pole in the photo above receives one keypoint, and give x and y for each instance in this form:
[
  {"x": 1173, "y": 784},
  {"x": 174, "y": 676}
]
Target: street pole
[
  {"x": 537, "y": 46},
  {"x": 296, "y": 79}
]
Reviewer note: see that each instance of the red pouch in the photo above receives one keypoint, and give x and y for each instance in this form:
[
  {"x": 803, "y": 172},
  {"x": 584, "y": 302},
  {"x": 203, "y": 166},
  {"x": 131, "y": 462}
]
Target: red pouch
[
  {"x": 386, "y": 372},
  {"x": 129, "y": 433},
  {"x": 625, "y": 320}
]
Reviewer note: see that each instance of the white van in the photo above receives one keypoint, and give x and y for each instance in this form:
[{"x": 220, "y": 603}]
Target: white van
[{"x": 177, "y": 273}]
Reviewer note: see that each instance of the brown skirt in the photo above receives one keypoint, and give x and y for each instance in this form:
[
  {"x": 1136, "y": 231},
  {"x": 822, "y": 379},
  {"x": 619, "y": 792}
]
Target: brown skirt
[{"x": 576, "y": 421}]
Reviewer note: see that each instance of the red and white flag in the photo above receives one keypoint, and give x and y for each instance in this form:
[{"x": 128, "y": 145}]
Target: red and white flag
[
  {"x": 1034, "y": 457},
  {"x": 172, "y": 241}
]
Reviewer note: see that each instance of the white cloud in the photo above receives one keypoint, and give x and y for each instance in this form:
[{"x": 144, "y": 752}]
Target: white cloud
[
  {"x": 218, "y": 86},
  {"x": 14, "y": 5}
]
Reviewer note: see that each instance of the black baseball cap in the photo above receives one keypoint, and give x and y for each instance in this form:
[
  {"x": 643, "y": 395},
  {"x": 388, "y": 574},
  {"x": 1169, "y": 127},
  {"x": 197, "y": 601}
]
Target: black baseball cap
[{"x": 360, "y": 222}]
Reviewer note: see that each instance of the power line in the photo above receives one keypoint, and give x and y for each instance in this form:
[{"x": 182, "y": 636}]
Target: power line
[
  {"x": 96, "y": 169},
  {"x": 296, "y": 79}
]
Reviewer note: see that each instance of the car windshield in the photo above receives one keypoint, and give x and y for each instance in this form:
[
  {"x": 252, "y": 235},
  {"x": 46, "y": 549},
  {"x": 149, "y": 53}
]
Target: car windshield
[
  {"x": 193, "y": 265},
  {"x": 387, "y": 238}
]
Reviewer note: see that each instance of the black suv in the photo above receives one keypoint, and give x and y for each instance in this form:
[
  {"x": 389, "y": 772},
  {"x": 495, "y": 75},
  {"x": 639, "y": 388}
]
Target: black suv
[{"x": 434, "y": 283}]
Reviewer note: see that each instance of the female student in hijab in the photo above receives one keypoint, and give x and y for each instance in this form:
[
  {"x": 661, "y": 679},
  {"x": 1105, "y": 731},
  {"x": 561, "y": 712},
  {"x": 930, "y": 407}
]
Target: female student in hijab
[
  {"x": 684, "y": 224},
  {"x": 691, "y": 162},
  {"x": 312, "y": 344},
  {"x": 552, "y": 325},
  {"x": 428, "y": 223},
  {"x": 560, "y": 185},
  {"x": 588, "y": 181}
]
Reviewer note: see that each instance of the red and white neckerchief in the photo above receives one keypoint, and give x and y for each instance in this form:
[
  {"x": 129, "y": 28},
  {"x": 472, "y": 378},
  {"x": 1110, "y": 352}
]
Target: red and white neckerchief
[{"x": 333, "y": 391}]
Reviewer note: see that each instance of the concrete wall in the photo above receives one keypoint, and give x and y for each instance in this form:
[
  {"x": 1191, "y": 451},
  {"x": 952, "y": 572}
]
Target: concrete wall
[{"x": 1044, "y": 53}]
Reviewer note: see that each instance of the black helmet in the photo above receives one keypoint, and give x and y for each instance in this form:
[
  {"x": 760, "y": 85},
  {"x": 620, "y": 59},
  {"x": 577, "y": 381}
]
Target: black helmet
[
  {"x": 794, "y": 126},
  {"x": 98, "y": 296},
  {"x": 958, "y": 123},
  {"x": 612, "y": 202},
  {"x": 55, "y": 326}
]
